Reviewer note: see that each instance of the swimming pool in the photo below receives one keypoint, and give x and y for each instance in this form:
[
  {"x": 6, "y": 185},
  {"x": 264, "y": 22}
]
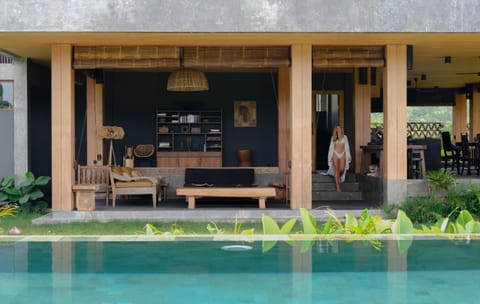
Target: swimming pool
[{"x": 84, "y": 271}]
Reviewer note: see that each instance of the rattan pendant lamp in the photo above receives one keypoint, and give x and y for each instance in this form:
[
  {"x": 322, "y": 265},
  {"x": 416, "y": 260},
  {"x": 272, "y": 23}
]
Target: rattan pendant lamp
[{"x": 186, "y": 80}]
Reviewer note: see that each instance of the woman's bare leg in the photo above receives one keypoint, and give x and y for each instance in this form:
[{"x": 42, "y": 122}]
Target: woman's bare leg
[
  {"x": 341, "y": 165},
  {"x": 336, "y": 166}
]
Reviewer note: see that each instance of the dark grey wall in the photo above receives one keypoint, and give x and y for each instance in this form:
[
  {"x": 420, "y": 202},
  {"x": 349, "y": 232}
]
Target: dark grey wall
[
  {"x": 132, "y": 99},
  {"x": 39, "y": 121},
  {"x": 240, "y": 16},
  {"x": 6, "y": 148}
]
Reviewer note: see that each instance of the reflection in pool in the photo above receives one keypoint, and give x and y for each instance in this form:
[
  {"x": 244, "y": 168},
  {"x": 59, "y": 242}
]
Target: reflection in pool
[{"x": 432, "y": 271}]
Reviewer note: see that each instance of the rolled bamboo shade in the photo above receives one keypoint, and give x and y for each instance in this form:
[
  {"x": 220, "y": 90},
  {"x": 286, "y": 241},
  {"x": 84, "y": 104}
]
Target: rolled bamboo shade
[
  {"x": 348, "y": 57},
  {"x": 236, "y": 57},
  {"x": 93, "y": 57}
]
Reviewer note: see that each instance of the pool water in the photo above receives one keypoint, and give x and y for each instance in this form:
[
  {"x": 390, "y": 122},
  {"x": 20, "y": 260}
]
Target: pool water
[{"x": 432, "y": 271}]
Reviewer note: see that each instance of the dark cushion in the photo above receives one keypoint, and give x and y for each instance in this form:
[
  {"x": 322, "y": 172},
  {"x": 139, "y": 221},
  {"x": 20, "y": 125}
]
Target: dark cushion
[{"x": 219, "y": 177}]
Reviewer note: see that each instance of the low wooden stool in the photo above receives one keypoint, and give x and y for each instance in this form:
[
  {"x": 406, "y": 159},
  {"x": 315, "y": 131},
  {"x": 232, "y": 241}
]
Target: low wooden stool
[
  {"x": 84, "y": 197},
  {"x": 163, "y": 190}
]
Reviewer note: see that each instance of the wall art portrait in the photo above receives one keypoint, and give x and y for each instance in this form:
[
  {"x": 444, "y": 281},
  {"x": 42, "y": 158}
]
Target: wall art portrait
[{"x": 245, "y": 113}]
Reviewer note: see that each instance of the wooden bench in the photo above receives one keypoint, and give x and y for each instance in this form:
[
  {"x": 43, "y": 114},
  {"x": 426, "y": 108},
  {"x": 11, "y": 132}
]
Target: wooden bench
[
  {"x": 219, "y": 182},
  {"x": 91, "y": 180}
]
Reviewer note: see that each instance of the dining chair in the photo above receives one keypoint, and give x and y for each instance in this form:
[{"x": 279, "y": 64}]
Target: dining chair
[
  {"x": 451, "y": 152},
  {"x": 467, "y": 157},
  {"x": 477, "y": 155}
]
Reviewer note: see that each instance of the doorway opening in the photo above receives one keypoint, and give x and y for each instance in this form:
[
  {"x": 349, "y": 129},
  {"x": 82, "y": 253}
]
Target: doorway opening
[{"x": 328, "y": 110}]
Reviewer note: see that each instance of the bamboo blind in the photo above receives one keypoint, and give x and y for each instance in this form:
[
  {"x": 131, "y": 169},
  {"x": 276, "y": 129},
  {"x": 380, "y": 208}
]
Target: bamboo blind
[
  {"x": 347, "y": 57},
  {"x": 90, "y": 57},
  {"x": 236, "y": 57}
]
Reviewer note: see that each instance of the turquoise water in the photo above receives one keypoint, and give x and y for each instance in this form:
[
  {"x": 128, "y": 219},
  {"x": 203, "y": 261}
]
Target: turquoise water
[{"x": 433, "y": 271}]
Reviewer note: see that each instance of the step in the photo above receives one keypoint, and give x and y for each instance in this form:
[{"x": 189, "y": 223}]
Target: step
[
  {"x": 346, "y": 187},
  {"x": 320, "y": 178},
  {"x": 336, "y": 196}
]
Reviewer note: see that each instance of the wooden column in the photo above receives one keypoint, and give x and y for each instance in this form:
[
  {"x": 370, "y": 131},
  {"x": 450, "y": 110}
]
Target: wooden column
[
  {"x": 283, "y": 119},
  {"x": 94, "y": 122},
  {"x": 63, "y": 128},
  {"x": 459, "y": 116},
  {"x": 362, "y": 108},
  {"x": 395, "y": 113},
  {"x": 301, "y": 126},
  {"x": 394, "y": 156},
  {"x": 474, "y": 113}
]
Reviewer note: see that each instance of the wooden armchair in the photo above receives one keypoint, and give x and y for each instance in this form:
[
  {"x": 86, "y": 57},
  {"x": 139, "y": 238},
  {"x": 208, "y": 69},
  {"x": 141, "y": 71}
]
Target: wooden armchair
[
  {"x": 97, "y": 176},
  {"x": 126, "y": 181}
]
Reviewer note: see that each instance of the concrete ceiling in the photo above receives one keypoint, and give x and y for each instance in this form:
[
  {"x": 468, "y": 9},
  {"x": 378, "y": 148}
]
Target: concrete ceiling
[{"x": 429, "y": 50}]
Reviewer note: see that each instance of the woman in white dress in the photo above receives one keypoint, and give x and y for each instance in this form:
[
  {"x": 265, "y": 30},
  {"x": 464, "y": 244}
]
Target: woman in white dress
[{"x": 339, "y": 156}]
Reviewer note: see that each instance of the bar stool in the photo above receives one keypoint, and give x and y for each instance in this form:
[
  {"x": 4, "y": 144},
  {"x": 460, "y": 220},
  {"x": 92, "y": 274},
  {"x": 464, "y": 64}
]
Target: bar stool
[{"x": 414, "y": 161}]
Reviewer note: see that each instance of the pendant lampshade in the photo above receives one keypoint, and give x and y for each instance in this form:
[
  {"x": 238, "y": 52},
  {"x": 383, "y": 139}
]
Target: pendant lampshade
[{"x": 187, "y": 80}]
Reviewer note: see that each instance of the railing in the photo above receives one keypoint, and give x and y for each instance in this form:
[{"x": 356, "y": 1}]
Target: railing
[
  {"x": 419, "y": 129},
  {"x": 424, "y": 129}
]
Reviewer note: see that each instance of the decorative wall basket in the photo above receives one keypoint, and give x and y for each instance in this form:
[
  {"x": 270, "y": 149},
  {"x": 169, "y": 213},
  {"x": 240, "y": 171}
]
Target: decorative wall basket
[{"x": 143, "y": 151}]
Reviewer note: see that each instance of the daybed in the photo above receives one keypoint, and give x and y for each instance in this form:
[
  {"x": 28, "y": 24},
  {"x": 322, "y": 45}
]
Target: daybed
[{"x": 223, "y": 182}]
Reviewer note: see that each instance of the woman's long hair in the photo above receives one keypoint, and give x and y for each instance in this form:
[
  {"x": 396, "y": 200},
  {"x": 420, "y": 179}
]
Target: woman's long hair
[{"x": 335, "y": 133}]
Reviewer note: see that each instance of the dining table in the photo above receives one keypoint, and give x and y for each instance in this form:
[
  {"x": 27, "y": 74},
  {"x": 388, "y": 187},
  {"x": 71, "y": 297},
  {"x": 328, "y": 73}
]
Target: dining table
[{"x": 369, "y": 150}]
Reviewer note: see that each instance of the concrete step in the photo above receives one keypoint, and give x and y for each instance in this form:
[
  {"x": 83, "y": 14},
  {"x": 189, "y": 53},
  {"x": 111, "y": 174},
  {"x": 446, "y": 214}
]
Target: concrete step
[
  {"x": 320, "y": 178},
  {"x": 336, "y": 196},
  {"x": 346, "y": 187}
]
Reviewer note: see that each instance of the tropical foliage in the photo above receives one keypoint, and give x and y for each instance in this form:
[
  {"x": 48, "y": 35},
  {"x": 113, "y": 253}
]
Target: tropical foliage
[
  {"x": 27, "y": 195},
  {"x": 367, "y": 227},
  {"x": 446, "y": 199}
]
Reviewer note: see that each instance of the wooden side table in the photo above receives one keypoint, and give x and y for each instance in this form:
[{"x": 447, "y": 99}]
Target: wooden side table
[{"x": 84, "y": 197}]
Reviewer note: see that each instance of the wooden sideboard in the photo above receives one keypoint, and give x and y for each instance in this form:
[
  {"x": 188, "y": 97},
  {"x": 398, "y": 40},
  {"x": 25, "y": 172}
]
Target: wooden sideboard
[{"x": 189, "y": 159}]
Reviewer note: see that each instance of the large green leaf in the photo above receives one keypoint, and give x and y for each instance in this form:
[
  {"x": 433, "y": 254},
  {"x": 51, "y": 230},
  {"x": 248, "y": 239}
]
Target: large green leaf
[
  {"x": 327, "y": 227},
  {"x": 464, "y": 217},
  {"x": 403, "y": 225},
  {"x": 8, "y": 181},
  {"x": 288, "y": 226},
  {"x": 476, "y": 227},
  {"x": 42, "y": 180},
  {"x": 36, "y": 194},
  {"x": 269, "y": 225},
  {"x": 351, "y": 223},
  {"x": 308, "y": 221},
  {"x": 24, "y": 199}
]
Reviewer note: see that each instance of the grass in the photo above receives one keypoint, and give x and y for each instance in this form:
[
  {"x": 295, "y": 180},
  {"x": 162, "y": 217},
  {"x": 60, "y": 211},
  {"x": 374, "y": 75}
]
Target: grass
[{"x": 24, "y": 222}]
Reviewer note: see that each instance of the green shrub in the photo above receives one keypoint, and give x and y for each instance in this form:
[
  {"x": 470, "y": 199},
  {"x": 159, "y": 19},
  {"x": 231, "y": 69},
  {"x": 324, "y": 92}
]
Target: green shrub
[
  {"x": 27, "y": 195},
  {"x": 464, "y": 198},
  {"x": 425, "y": 210}
]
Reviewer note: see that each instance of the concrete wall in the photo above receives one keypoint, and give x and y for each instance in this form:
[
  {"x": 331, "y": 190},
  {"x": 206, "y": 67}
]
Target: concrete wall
[
  {"x": 6, "y": 148},
  {"x": 14, "y": 124},
  {"x": 240, "y": 16}
]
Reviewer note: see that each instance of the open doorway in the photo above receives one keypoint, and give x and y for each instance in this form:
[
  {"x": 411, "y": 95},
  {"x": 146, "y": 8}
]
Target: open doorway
[{"x": 327, "y": 113}]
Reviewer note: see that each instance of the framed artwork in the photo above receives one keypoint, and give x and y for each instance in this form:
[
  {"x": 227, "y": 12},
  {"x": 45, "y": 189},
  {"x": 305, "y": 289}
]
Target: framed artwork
[
  {"x": 6, "y": 95},
  {"x": 245, "y": 113}
]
